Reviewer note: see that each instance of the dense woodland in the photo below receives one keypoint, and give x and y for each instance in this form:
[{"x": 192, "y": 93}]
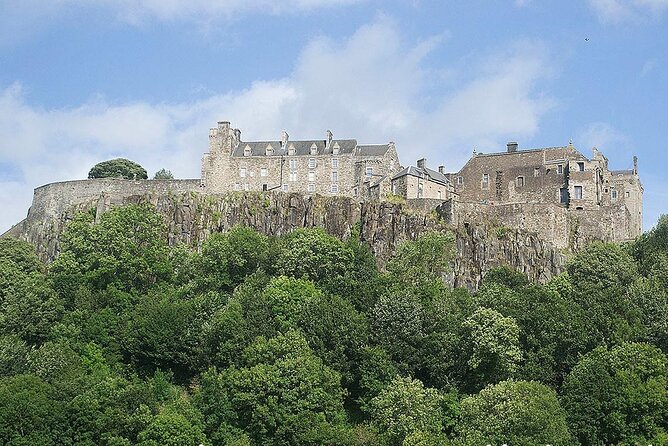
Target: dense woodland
[{"x": 302, "y": 340}]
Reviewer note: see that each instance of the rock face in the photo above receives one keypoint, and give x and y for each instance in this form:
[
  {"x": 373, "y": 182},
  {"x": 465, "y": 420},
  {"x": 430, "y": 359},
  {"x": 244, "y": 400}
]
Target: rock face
[{"x": 192, "y": 216}]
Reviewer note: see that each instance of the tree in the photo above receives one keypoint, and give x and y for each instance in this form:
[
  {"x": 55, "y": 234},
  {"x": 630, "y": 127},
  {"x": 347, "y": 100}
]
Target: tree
[
  {"x": 515, "y": 413},
  {"x": 281, "y": 394},
  {"x": 404, "y": 407},
  {"x": 171, "y": 428},
  {"x": 618, "y": 396},
  {"x": 118, "y": 168},
  {"x": 227, "y": 258},
  {"x": 423, "y": 260},
  {"x": 163, "y": 174},
  {"x": 314, "y": 254},
  {"x": 601, "y": 275},
  {"x": 127, "y": 248},
  {"x": 495, "y": 351},
  {"x": 29, "y": 414}
]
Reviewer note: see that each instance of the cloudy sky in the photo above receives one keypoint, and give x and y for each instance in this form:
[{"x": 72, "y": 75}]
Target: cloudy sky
[{"x": 82, "y": 81}]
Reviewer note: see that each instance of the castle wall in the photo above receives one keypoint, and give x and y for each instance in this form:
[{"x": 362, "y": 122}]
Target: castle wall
[
  {"x": 565, "y": 229},
  {"x": 56, "y": 198}
]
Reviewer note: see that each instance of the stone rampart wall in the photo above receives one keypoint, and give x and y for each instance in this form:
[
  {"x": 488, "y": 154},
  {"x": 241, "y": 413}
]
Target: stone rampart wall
[{"x": 54, "y": 199}]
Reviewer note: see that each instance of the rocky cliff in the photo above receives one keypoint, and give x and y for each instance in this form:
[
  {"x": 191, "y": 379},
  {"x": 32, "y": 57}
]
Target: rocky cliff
[{"x": 192, "y": 216}]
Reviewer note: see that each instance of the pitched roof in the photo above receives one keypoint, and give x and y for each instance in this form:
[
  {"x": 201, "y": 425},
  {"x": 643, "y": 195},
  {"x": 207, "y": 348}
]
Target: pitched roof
[
  {"x": 303, "y": 148},
  {"x": 427, "y": 173}
]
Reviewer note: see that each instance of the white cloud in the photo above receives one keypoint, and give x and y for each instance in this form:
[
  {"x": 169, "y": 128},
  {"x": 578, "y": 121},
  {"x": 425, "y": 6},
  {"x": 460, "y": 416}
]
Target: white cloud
[
  {"x": 374, "y": 86},
  {"x": 612, "y": 142},
  {"x": 618, "y": 11}
]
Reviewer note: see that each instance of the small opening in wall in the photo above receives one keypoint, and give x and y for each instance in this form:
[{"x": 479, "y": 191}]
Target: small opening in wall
[{"x": 579, "y": 208}]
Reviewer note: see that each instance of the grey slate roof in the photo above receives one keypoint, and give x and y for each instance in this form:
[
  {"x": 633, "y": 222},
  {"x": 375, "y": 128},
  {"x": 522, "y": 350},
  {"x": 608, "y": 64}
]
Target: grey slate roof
[
  {"x": 303, "y": 148},
  {"x": 427, "y": 173}
]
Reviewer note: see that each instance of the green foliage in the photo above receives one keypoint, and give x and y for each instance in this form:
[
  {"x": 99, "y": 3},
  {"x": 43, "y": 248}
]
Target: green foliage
[
  {"x": 118, "y": 168},
  {"x": 495, "y": 350},
  {"x": 618, "y": 396},
  {"x": 29, "y": 415},
  {"x": 314, "y": 254},
  {"x": 282, "y": 394},
  {"x": 227, "y": 258},
  {"x": 423, "y": 260},
  {"x": 163, "y": 174},
  {"x": 300, "y": 340},
  {"x": 513, "y": 412},
  {"x": 126, "y": 249},
  {"x": 405, "y": 407}
]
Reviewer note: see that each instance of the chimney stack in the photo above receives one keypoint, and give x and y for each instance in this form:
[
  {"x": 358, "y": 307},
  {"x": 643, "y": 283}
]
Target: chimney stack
[
  {"x": 421, "y": 163},
  {"x": 284, "y": 138},
  {"x": 635, "y": 165},
  {"x": 512, "y": 146},
  {"x": 441, "y": 169}
]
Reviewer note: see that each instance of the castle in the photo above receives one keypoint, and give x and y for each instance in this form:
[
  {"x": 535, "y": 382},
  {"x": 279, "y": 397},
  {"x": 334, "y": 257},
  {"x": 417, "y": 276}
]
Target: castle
[
  {"x": 552, "y": 191},
  {"x": 557, "y": 192}
]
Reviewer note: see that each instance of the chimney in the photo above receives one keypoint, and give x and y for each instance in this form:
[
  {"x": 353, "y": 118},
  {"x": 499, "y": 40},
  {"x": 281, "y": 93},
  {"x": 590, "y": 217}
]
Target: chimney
[
  {"x": 284, "y": 138},
  {"x": 328, "y": 138},
  {"x": 635, "y": 165},
  {"x": 512, "y": 146},
  {"x": 441, "y": 169},
  {"x": 421, "y": 163}
]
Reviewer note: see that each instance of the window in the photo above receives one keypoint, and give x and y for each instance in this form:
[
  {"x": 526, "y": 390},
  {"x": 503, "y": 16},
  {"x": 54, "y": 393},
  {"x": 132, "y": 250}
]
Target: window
[
  {"x": 314, "y": 149},
  {"x": 247, "y": 151},
  {"x": 263, "y": 172},
  {"x": 311, "y": 177},
  {"x": 311, "y": 187},
  {"x": 581, "y": 167},
  {"x": 246, "y": 186},
  {"x": 369, "y": 171},
  {"x": 269, "y": 150},
  {"x": 311, "y": 163},
  {"x": 237, "y": 186},
  {"x": 285, "y": 187},
  {"x": 335, "y": 163},
  {"x": 627, "y": 194},
  {"x": 560, "y": 169},
  {"x": 336, "y": 148},
  {"x": 293, "y": 164},
  {"x": 420, "y": 189},
  {"x": 440, "y": 195},
  {"x": 485, "y": 181},
  {"x": 536, "y": 171},
  {"x": 578, "y": 192},
  {"x": 460, "y": 180},
  {"x": 293, "y": 177},
  {"x": 335, "y": 188},
  {"x": 265, "y": 187},
  {"x": 613, "y": 194},
  {"x": 563, "y": 195},
  {"x": 519, "y": 181},
  {"x": 291, "y": 149},
  {"x": 335, "y": 177},
  {"x": 242, "y": 172},
  {"x": 355, "y": 192}
]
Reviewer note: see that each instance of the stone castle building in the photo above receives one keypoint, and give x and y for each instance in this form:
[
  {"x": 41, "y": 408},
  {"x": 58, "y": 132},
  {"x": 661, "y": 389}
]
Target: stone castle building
[
  {"x": 326, "y": 166},
  {"x": 548, "y": 187}
]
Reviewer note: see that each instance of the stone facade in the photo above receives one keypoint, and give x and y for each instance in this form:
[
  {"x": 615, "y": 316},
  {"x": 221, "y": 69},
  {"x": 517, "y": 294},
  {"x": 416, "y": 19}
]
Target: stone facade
[
  {"x": 557, "y": 178},
  {"x": 420, "y": 182},
  {"x": 327, "y": 167}
]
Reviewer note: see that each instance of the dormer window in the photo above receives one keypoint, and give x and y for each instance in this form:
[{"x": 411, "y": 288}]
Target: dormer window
[
  {"x": 336, "y": 148},
  {"x": 247, "y": 150},
  {"x": 291, "y": 149},
  {"x": 314, "y": 149},
  {"x": 269, "y": 150}
]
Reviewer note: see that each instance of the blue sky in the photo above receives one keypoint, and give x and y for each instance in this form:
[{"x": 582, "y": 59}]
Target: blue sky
[{"x": 84, "y": 81}]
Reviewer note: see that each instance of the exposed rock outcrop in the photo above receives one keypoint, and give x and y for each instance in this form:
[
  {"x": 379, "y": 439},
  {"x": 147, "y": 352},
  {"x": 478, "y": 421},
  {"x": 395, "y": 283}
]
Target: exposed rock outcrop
[{"x": 192, "y": 216}]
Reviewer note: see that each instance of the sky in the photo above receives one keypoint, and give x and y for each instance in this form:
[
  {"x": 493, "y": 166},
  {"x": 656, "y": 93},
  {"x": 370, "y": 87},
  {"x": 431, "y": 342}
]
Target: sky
[{"x": 82, "y": 81}]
